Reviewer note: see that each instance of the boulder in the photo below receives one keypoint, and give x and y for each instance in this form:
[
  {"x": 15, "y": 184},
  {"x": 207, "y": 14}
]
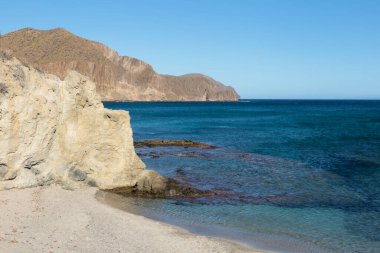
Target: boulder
[{"x": 54, "y": 130}]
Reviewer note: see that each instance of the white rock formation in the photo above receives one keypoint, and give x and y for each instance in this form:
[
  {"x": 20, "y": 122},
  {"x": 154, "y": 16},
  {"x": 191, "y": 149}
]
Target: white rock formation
[{"x": 59, "y": 131}]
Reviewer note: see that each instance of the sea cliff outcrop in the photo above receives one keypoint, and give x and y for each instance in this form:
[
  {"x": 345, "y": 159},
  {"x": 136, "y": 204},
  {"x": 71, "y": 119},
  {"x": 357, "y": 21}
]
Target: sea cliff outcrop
[
  {"x": 117, "y": 78},
  {"x": 54, "y": 130}
]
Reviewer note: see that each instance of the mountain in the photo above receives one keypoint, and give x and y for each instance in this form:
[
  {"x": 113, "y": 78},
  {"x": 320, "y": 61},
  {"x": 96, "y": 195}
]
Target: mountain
[{"x": 117, "y": 78}]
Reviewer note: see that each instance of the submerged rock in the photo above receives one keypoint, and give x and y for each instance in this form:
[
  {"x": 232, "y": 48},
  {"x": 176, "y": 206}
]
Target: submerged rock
[
  {"x": 172, "y": 189},
  {"x": 172, "y": 143},
  {"x": 54, "y": 130}
]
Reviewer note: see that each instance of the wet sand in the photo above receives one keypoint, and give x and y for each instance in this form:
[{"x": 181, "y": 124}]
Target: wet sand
[{"x": 52, "y": 219}]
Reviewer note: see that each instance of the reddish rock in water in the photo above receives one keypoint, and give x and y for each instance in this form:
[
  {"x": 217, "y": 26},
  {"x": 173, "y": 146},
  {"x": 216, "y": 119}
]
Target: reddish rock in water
[{"x": 172, "y": 143}]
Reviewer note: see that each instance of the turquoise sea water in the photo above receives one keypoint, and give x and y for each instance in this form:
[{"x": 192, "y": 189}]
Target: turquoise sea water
[{"x": 297, "y": 176}]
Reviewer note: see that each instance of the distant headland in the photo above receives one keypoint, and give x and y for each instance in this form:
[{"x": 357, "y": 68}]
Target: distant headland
[{"x": 117, "y": 78}]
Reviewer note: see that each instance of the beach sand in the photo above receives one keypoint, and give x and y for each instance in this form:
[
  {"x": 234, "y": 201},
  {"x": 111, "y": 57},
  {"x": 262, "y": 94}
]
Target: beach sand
[{"x": 52, "y": 219}]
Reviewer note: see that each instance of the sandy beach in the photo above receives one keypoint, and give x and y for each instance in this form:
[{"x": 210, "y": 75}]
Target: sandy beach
[{"x": 52, "y": 219}]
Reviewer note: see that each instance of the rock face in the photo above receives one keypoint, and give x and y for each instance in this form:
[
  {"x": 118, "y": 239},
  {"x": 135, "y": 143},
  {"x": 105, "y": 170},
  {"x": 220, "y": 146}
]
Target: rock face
[
  {"x": 117, "y": 78},
  {"x": 54, "y": 130}
]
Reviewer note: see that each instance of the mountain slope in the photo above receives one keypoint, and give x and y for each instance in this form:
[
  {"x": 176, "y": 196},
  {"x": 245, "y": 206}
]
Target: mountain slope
[{"x": 117, "y": 78}]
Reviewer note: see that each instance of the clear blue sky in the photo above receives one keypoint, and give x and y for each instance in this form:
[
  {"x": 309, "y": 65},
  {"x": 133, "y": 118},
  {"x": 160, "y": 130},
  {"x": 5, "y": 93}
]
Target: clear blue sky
[{"x": 265, "y": 49}]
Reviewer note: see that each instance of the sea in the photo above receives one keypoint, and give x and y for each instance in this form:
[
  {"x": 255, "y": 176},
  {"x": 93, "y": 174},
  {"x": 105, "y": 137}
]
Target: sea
[{"x": 291, "y": 175}]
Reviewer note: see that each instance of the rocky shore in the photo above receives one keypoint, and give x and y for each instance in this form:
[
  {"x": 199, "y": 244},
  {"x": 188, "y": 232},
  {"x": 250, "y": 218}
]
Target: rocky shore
[
  {"x": 55, "y": 131},
  {"x": 60, "y": 145}
]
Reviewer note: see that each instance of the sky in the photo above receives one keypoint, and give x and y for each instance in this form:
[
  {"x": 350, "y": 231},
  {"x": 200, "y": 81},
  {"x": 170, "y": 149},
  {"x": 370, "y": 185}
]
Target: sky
[{"x": 267, "y": 49}]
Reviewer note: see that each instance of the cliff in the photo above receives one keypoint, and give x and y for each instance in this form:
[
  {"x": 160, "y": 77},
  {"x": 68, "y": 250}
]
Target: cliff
[
  {"x": 54, "y": 130},
  {"x": 117, "y": 78}
]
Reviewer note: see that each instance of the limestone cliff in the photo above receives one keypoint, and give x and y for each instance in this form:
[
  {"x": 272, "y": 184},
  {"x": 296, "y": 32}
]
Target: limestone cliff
[
  {"x": 117, "y": 77},
  {"x": 54, "y": 130}
]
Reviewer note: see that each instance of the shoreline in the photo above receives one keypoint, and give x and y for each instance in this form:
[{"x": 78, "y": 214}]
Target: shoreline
[
  {"x": 117, "y": 201},
  {"x": 256, "y": 243},
  {"x": 52, "y": 219}
]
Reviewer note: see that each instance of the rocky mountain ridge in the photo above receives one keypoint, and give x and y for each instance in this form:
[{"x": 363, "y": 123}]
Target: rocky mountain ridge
[{"x": 117, "y": 78}]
